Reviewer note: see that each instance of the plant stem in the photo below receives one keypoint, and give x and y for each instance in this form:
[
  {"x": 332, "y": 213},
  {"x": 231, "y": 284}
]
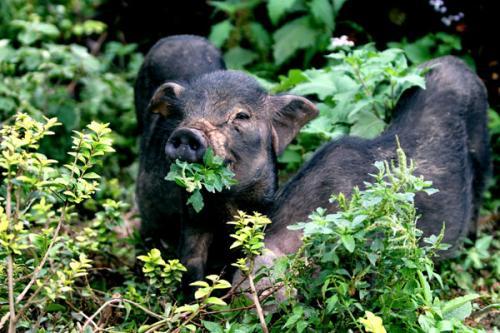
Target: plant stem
[
  {"x": 29, "y": 301},
  {"x": 425, "y": 288},
  {"x": 191, "y": 317},
  {"x": 4, "y": 319},
  {"x": 146, "y": 310},
  {"x": 106, "y": 304},
  {"x": 12, "y": 308},
  {"x": 258, "y": 307},
  {"x": 44, "y": 259},
  {"x": 10, "y": 261}
]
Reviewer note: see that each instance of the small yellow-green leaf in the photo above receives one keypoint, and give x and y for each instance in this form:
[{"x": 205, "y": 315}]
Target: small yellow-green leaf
[
  {"x": 215, "y": 301},
  {"x": 372, "y": 323}
]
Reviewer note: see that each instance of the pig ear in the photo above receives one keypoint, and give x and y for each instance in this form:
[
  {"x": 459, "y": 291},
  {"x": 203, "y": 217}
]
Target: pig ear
[
  {"x": 163, "y": 98},
  {"x": 289, "y": 114}
]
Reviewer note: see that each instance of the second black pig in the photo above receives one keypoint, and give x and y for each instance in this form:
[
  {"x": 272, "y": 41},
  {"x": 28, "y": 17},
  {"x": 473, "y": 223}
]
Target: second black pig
[{"x": 442, "y": 128}]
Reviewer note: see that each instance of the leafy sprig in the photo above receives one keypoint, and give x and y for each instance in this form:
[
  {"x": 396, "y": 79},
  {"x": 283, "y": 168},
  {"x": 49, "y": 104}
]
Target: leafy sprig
[{"x": 213, "y": 176}]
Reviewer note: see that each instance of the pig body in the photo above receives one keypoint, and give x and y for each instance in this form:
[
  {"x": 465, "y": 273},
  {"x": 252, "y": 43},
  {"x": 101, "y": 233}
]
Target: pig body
[
  {"x": 188, "y": 103},
  {"x": 442, "y": 128}
]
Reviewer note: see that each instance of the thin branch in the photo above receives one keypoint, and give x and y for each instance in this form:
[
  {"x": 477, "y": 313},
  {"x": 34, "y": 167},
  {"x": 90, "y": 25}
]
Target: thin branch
[
  {"x": 258, "y": 307},
  {"x": 4, "y": 319},
  {"x": 96, "y": 47},
  {"x": 10, "y": 282},
  {"x": 75, "y": 309},
  {"x": 106, "y": 304},
  {"x": 191, "y": 317},
  {"x": 30, "y": 300},
  {"x": 10, "y": 260},
  {"x": 156, "y": 325},
  {"x": 146, "y": 310},
  {"x": 45, "y": 257},
  {"x": 481, "y": 312},
  {"x": 234, "y": 288},
  {"x": 56, "y": 233}
]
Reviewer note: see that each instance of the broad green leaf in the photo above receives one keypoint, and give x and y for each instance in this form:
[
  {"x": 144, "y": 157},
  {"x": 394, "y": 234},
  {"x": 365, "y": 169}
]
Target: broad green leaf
[
  {"x": 196, "y": 200},
  {"x": 459, "y": 308},
  {"x": 201, "y": 292},
  {"x": 293, "y": 36},
  {"x": 277, "y": 8},
  {"x": 212, "y": 327},
  {"x": 259, "y": 36},
  {"x": 348, "y": 242},
  {"x": 187, "y": 308},
  {"x": 238, "y": 57},
  {"x": 320, "y": 83},
  {"x": 215, "y": 301},
  {"x": 323, "y": 12},
  {"x": 220, "y": 32},
  {"x": 338, "y": 4},
  {"x": 366, "y": 125},
  {"x": 294, "y": 77},
  {"x": 372, "y": 323},
  {"x": 232, "y": 7}
]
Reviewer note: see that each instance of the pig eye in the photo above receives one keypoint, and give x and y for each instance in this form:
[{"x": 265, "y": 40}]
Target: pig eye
[{"x": 242, "y": 116}]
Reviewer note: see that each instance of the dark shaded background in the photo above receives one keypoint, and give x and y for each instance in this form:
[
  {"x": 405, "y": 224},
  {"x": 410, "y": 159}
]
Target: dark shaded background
[{"x": 144, "y": 22}]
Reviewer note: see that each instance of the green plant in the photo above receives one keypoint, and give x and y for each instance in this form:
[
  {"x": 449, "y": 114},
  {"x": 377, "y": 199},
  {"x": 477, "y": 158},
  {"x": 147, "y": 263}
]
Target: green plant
[
  {"x": 357, "y": 93},
  {"x": 431, "y": 46},
  {"x": 248, "y": 43},
  {"x": 163, "y": 276},
  {"x": 368, "y": 266},
  {"x": 366, "y": 258},
  {"x": 46, "y": 69},
  {"x": 212, "y": 175},
  {"x": 33, "y": 186},
  {"x": 249, "y": 235}
]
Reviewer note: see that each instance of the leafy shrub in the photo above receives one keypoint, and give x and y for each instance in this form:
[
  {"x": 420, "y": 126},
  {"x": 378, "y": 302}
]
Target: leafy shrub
[
  {"x": 38, "y": 202},
  {"x": 432, "y": 46},
  {"x": 356, "y": 94},
  {"x": 247, "y": 42},
  {"x": 46, "y": 69}
]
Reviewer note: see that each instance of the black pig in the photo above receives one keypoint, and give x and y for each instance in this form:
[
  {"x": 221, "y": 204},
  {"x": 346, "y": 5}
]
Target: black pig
[
  {"x": 227, "y": 111},
  {"x": 175, "y": 58},
  {"x": 442, "y": 128}
]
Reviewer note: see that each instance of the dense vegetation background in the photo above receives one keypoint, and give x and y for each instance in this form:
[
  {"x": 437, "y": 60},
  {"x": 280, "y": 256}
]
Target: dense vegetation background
[{"x": 77, "y": 61}]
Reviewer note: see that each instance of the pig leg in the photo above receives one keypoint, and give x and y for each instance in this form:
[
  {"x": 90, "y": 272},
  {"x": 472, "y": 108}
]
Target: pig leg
[{"x": 194, "y": 245}]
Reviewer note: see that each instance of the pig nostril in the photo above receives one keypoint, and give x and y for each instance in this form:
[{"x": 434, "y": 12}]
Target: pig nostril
[
  {"x": 176, "y": 142},
  {"x": 194, "y": 145}
]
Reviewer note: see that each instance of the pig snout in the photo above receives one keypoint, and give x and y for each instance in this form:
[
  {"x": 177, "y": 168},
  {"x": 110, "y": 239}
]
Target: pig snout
[{"x": 186, "y": 144}]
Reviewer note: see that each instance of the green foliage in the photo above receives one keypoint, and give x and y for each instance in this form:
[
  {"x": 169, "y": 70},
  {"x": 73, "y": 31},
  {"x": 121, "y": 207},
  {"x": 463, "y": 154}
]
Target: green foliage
[
  {"x": 357, "y": 93},
  {"x": 163, "y": 276},
  {"x": 38, "y": 201},
  {"x": 432, "y": 46},
  {"x": 212, "y": 175},
  {"x": 476, "y": 270},
  {"x": 313, "y": 21},
  {"x": 47, "y": 70},
  {"x": 492, "y": 201},
  {"x": 249, "y": 235},
  {"x": 366, "y": 259}
]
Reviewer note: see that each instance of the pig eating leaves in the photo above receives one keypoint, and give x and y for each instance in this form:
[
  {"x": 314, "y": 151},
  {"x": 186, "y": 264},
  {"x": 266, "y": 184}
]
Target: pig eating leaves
[{"x": 230, "y": 113}]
